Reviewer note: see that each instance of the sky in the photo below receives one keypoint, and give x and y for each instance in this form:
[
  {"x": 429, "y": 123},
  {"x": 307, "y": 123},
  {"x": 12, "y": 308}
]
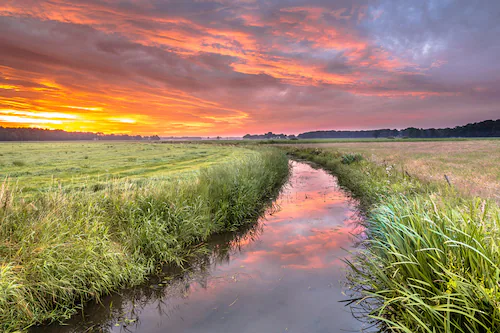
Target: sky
[{"x": 231, "y": 67}]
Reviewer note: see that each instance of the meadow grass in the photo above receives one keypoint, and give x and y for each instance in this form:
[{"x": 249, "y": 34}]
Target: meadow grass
[
  {"x": 327, "y": 141},
  {"x": 38, "y": 166},
  {"x": 60, "y": 248},
  {"x": 471, "y": 165},
  {"x": 428, "y": 260}
]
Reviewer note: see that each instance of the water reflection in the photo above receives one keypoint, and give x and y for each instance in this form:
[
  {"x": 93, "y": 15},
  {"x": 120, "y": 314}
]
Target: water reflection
[{"x": 280, "y": 275}]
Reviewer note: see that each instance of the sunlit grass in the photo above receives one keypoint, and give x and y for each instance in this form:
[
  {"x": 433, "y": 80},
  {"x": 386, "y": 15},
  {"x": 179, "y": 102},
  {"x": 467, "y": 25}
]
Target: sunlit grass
[
  {"x": 471, "y": 165},
  {"x": 428, "y": 260},
  {"x": 430, "y": 266},
  {"x": 64, "y": 246},
  {"x": 37, "y": 166}
]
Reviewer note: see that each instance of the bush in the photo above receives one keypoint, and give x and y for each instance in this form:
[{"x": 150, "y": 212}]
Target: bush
[{"x": 351, "y": 158}]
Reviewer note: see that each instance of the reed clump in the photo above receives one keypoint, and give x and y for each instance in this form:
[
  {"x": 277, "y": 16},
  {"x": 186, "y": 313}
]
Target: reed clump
[
  {"x": 61, "y": 248},
  {"x": 429, "y": 257}
]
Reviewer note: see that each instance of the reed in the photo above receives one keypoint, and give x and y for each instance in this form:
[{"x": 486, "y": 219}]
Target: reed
[
  {"x": 60, "y": 248},
  {"x": 428, "y": 260}
]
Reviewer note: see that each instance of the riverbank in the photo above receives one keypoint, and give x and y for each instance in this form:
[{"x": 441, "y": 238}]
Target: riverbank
[
  {"x": 280, "y": 274},
  {"x": 61, "y": 247},
  {"x": 429, "y": 262}
]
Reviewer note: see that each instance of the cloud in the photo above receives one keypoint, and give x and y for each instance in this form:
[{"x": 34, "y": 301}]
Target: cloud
[{"x": 232, "y": 67}]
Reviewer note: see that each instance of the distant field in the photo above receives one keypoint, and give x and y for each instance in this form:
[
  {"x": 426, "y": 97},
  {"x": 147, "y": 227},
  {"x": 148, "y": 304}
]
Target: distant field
[
  {"x": 316, "y": 141},
  {"x": 471, "y": 165},
  {"x": 374, "y": 140},
  {"x": 37, "y": 166}
]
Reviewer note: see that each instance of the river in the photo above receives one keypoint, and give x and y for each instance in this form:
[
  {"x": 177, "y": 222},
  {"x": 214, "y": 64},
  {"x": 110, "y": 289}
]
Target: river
[{"x": 284, "y": 274}]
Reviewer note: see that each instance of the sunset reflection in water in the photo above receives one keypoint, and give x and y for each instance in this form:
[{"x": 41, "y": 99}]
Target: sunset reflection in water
[{"x": 284, "y": 275}]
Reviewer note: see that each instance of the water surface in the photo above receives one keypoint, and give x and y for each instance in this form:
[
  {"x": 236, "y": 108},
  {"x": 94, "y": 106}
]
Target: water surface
[{"x": 284, "y": 274}]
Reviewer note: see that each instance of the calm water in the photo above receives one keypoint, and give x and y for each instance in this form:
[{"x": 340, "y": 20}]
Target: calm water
[{"x": 282, "y": 275}]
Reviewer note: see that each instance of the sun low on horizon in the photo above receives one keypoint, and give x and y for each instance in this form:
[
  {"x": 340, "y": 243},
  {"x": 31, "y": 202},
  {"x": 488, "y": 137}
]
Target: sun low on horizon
[{"x": 231, "y": 67}]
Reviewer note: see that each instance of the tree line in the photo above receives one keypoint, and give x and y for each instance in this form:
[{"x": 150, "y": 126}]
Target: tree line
[
  {"x": 37, "y": 134},
  {"x": 488, "y": 128},
  {"x": 268, "y": 135}
]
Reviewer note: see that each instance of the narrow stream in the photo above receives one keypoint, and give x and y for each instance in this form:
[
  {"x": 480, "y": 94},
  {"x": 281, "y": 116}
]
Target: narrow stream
[{"x": 282, "y": 275}]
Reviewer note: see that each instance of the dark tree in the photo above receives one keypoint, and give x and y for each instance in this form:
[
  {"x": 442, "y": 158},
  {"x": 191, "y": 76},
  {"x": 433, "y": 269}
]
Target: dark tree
[{"x": 36, "y": 134}]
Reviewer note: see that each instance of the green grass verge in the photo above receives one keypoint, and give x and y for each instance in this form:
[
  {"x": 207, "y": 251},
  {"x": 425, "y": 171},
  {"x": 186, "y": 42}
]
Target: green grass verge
[
  {"x": 38, "y": 166},
  {"x": 61, "y": 248},
  {"x": 429, "y": 258}
]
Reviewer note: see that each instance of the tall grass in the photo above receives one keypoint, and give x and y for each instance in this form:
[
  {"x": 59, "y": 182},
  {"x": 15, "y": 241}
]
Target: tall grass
[
  {"x": 61, "y": 248},
  {"x": 429, "y": 260}
]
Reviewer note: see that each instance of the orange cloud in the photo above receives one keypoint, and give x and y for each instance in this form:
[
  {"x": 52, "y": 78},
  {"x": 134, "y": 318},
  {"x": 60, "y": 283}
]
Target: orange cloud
[{"x": 148, "y": 69}]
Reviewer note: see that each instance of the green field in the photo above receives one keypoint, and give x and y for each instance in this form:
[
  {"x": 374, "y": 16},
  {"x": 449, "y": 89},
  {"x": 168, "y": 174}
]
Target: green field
[
  {"x": 80, "y": 220},
  {"x": 39, "y": 166},
  {"x": 471, "y": 164}
]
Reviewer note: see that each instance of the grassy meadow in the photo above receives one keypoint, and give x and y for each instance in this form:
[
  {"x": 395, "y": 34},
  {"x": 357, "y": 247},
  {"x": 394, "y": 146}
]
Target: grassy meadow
[
  {"x": 428, "y": 260},
  {"x": 471, "y": 165},
  {"x": 39, "y": 166},
  {"x": 80, "y": 220}
]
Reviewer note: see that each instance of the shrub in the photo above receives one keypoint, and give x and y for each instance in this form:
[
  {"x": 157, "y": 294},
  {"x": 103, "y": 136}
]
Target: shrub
[{"x": 351, "y": 158}]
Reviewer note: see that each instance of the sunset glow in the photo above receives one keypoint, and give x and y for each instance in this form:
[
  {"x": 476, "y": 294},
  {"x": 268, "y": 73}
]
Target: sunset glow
[{"x": 230, "y": 67}]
